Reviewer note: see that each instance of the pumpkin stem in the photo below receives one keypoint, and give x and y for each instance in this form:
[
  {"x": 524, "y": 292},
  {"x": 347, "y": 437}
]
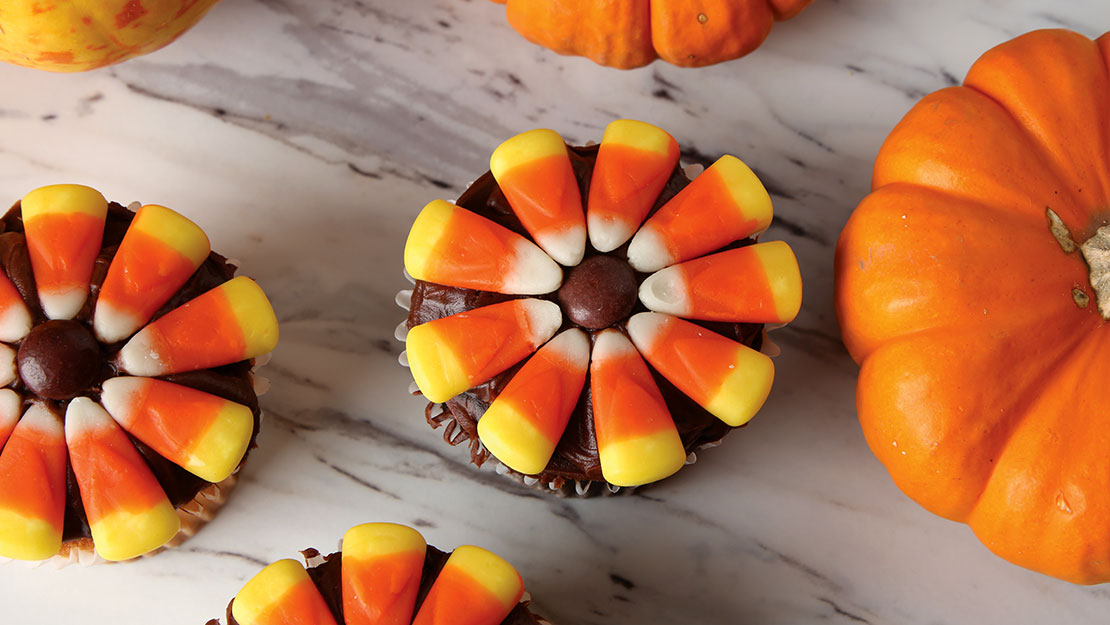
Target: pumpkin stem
[{"x": 1096, "y": 251}]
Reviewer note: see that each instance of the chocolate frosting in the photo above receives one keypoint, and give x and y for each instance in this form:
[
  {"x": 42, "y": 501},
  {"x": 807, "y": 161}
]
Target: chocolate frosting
[
  {"x": 329, "y": 580},
  {"x": 230, "y": 382},
  {"x": 576, "y": 457}
]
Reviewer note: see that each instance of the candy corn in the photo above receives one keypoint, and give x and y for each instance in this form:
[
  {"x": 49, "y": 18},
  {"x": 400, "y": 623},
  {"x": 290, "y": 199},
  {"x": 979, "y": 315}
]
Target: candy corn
[
  {"x": 33, "y": 487},
  {"x": 382, "y": 566},
  {"x": 759, "y": 283},
  {"x": 475, "y": 587},
  {"x": 159, "y": 252},
  {"x": 533, "y": 170},
  {"x": 453, "y": 246},
  {"x": 524, "y": 424},
  {"x": 726, "y": 203},
  {"x": 64, "y": 225},
  {"x": 232, "y": 322},
  {"x": 128, "y": 511},
  {"x": 204, "y": 434},
  {"x": 10, "y": 405},
  {"x": 636, "y": 439},
  {"x": 7, "y": 365},
  {"x": 634, "y": 162},
  {"x": 281, "y": 594},
  {"x": 15, "y": 320},
  {"x": 450, "y": 355},
  {"x": 728, "y": 379}
]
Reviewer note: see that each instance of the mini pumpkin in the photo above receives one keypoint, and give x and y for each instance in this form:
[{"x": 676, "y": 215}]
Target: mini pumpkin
[
  {"x": 972, "y": 287},
  {"x": 75, "y": 35},
  {"x": 633, "y": 33}
]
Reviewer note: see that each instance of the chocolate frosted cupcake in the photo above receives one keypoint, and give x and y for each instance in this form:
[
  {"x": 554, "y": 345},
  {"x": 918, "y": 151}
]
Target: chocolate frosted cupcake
[
  {"x": 128, "y": 400},
  {"x": 544, "y": 367},
  {"x": 385, "y": 573}
]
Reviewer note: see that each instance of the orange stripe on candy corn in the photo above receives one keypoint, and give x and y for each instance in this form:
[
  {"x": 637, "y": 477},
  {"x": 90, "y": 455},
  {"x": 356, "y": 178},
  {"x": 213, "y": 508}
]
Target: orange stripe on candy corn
[
  {"x": 450, "y": 355},
  {"x": 533, "y": 170},
  {"x": 524, "y": 424},
  {"x": 382, "y": 567},
  {"x": 158, "y": 254},
  {"x": 281, "y": 594},
  {"x": 636, "y": 438},
  {"x": 232, "y": 322},
  {"x": 725, "y": 203},
  {"x": 64, "y": 225},
  {"x": 634, "y": 162},
  {"x": 475, "y": 587},
  {"x": 759, "y": 283},
  {"x": 33, "y": 487},
  {"x": 128, "y": 511},
  {"x": 204, "y": 434},
  {"x": 15, "y": 320},
  {"x": 453, "y": 246},
  {"x": 728, "y": 379}
]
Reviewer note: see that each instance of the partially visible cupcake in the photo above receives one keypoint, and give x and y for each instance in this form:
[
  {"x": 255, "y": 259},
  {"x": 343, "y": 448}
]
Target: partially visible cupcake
[
  {"x": 612, "y": 372},
  {"x": 385, "y": 574},
  {"x": 128, "y": 400}
]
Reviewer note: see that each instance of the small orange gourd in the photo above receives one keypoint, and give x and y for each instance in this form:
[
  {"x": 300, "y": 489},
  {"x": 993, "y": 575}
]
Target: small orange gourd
[
  {"x": 633, "y": 33},
  {"x": 973, "y": 287}
]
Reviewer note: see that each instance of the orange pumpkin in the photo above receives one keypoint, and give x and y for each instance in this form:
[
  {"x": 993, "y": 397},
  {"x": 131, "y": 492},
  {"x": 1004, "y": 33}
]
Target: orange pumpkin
[
  {"x": 972, "y": 287},
  {"x": 633, "y": 33},
  {"x": 79, "y": 35}
]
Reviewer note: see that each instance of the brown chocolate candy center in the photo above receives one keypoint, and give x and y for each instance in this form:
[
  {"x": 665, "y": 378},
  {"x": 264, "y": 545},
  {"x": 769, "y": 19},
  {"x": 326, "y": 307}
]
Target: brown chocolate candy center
[
  {"x": 59, "y": 359},
  {"x": 599, "y": 292}
]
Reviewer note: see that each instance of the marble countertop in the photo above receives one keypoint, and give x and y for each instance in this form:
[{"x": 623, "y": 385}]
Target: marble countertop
[{"x": 304, "y": 136}]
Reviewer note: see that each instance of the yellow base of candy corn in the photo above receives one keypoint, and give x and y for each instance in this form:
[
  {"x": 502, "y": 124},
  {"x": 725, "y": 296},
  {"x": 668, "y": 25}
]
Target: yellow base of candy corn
[
  {"x": 783, "y": 276},
  {"x": 745, "y": 389},
  {"x": 512, "y": 439},
  {"x": 215, "y": 456},
  {"x": 265, "y": 590},
  {"x": 378, "y": 539},
  {"x": 489, "y": 570},
  {"x": 637, "y": 134},
  {"x": 255, "y": 315},
  {"x": 124, "y": 535},
  {"x": 435, "y": 368},
  {"x": 23, "y": 538},
  {"x": 642, "y": 460}
]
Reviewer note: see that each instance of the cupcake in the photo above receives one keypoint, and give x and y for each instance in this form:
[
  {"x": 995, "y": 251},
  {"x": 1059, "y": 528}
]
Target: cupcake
[
  {"x": 385, "y": 573},
  {"x": 591, "y": 316},
  {"x": 128, "y": 400}
]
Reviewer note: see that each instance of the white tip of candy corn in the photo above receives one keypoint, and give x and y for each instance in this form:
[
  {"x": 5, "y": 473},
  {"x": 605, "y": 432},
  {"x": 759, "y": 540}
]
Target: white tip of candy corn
[
  {"x": 533, "y": 273},
  {"x": 544, "y": 319},
  {"x": 647, "y": 252},
  {"x": 644, "y": 329},
  {"x": 611, "y": 344},
  {"x": 113, "y": 324},
  {"x": 7, "y": 365},
  {"x": 665, "y": 291},
  {"x": 119, "y": 398},
  {"x": 83, "y": 415},
  {"x": 607, "y": 234},
  {"x": 567, "y": 247},
  {"x": 15, "y": 323},
  {"x": 9, "y": 413},
  {"x": 139, "y": 356},
  {"x": 63, "y": 304}
]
